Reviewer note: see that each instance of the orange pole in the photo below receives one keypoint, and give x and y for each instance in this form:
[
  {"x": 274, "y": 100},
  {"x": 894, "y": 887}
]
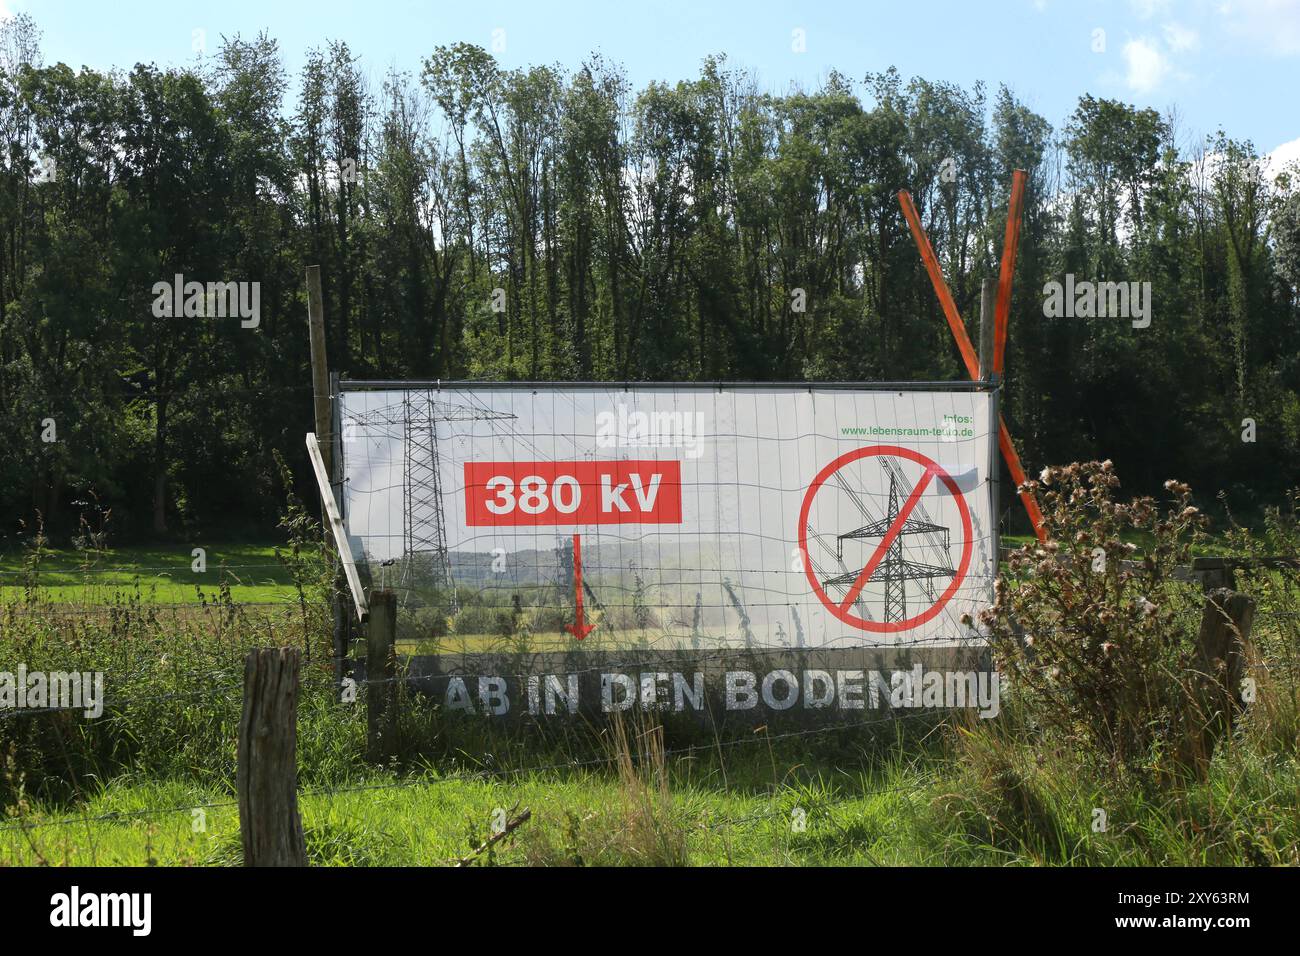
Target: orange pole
[
  {"x": 1018, "y": 476},
  {"x": 1009, "y": 246},
  {"x": 959, "y": 333},
  {"x": 940, "y": 287}
]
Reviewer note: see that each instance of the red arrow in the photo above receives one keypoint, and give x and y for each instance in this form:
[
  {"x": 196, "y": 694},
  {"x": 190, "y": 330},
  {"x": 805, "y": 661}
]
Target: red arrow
[{"x": 578, "y": 629}]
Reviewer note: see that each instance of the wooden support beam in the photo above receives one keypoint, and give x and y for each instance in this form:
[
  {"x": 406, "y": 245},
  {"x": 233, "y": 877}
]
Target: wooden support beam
[
  {"x": 1017, "y": 470},
  {"x": 1010, "y": 243},
  {"x": 968, "y": 355},
  {"x": 940, "y": 287},
  {"x": 335, "y": 521}
]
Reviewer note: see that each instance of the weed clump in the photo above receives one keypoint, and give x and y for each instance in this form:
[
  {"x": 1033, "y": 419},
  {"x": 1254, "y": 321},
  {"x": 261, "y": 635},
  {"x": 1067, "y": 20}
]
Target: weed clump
[{"x": 1099, "y": 641}]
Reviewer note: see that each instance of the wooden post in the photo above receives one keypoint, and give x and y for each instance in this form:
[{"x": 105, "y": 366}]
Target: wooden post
[
  {"x": 1220, "y": 668},
  {"x": 988, "y": 299},
  {"x": 341, "y": 630},
  {"x": 1213, "y": 573},
  {"x": 381, "y": 671},
  {"x": 320, "y": 380},
  {"x": 267, "y": 772}
]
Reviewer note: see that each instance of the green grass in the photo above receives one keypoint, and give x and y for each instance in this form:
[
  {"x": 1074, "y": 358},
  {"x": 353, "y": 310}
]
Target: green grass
[
  {"x": 154, "y": 574},
  {"x": 433, "y": 824},
  {"x": 924, "y": 809}
]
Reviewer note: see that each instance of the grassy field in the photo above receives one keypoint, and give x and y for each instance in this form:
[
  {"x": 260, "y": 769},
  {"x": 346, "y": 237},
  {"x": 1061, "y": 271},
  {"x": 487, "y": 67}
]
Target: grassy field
[
  {"x": 589, "y": 817},
  {"x": 153, "y": 575},
  {"x": 970, "y": 798},
  {"x": 152, "y": 781}
]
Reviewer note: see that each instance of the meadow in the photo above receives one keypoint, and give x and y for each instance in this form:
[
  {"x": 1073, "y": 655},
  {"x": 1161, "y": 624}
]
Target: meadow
[
  {"x": 1074, "y": 777},
  {"x": 249, "y": 572}
]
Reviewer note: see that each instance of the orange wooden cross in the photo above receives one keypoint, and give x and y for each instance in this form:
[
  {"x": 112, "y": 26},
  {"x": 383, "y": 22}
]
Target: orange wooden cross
[{"x": 1001, "y": 314}]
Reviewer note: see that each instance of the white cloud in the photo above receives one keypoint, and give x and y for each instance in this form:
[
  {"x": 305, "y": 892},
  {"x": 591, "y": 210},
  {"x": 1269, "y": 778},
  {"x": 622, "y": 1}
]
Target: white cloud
[
  {"x": 1281, "y": 157},
  {"x": 1271, "y": 24},
  {"x": 1146, "y": 9},
  {"x": 1146, "y": 65},
  {"x": 1270, "y": 164},
  {"x": 1181, "y": 39}
]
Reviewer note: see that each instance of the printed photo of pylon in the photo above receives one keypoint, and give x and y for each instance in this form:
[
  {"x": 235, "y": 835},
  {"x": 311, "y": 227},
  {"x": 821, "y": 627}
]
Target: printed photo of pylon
[{"x": 886, "y": 535}]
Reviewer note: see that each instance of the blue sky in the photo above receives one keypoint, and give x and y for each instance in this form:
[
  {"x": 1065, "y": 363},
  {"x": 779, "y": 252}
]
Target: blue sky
[{"x": 1229, "y": 63}]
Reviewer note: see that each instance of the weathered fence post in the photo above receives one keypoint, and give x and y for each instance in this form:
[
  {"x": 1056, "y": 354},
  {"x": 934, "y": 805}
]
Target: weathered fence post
[
  {"x": 1214, "y": 573},
  {"x": 988, "y": 298},
  {"x": 1220, "y": 667},
  {"x": 320, "y": 379},
  {"x": 381, "y": 671},
  {"x": 267, "y": 775}
]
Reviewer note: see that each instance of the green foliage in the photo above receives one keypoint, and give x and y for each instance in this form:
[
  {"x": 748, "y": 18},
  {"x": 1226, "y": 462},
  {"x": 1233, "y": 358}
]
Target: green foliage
[
  {"x": 574, "y": 227},
  {"x": 1100, "y": 642}
]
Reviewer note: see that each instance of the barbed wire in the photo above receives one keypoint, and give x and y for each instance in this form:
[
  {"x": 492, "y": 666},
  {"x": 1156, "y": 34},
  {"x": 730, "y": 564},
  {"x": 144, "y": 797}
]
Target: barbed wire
[
  {"x": 56, "y": 607},
  {"x": 225, "y": 691},
  {"x": 116, "y": 815},
  {"x": 182, "y": 566}
]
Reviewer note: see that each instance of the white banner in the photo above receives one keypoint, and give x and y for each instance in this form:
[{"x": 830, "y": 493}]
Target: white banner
[{"x": 595, "y": 517}]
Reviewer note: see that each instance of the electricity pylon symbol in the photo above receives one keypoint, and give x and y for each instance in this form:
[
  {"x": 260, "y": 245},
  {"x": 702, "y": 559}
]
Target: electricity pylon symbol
[{"x": 894, "y": 569}]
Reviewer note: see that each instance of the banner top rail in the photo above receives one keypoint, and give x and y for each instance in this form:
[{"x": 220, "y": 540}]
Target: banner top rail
[{"x": 361, "y": 385}]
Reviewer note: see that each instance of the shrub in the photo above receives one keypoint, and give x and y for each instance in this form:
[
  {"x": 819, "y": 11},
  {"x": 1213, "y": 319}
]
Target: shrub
[
  {"x": 480, "y": 619},
  {"x": 1101, "y": 643}
]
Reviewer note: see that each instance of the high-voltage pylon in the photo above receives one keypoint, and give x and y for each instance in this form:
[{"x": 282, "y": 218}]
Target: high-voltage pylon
[
  {"x": 423, "y": 527},
  {"x": 936, "y": 543},
  {"x": 895, "y": 569},
  {"x": 844, "y": 578}
]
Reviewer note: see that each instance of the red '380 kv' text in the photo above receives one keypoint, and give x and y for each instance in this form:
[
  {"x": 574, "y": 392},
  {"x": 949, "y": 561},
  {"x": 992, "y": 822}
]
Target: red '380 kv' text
[{"x": 572, "y": 492}]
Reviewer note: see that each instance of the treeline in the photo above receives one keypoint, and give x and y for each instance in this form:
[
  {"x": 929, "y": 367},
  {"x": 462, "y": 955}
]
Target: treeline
[{"x": 476, "y": 222}]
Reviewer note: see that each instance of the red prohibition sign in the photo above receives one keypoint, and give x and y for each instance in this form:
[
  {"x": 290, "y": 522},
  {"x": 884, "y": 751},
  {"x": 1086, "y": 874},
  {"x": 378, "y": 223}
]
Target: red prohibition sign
[{"x": 932, "y": 470}]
